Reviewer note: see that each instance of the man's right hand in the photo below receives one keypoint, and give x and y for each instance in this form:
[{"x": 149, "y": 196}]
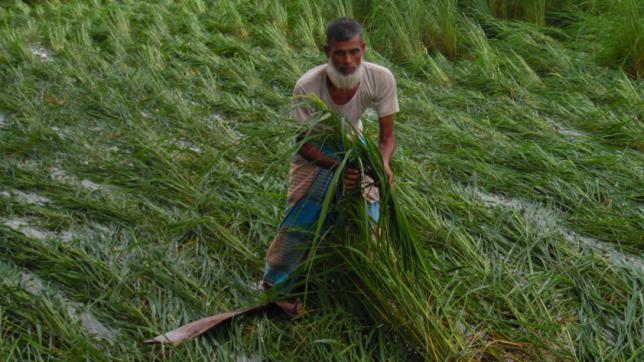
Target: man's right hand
[
  {"x": 313, "y": 154},
  {"x": 351, "y": 178}
]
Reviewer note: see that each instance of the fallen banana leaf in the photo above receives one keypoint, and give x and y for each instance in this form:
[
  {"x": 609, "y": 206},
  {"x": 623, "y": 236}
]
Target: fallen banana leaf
[{"x": 201, "y": 326}]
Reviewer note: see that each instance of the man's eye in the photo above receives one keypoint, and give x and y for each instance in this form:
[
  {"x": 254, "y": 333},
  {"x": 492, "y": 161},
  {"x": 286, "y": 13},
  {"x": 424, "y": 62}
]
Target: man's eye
[{"x": 355, "y": 51}]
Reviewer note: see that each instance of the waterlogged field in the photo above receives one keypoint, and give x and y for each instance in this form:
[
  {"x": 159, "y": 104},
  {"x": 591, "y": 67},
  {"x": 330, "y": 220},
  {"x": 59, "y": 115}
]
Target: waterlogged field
[{"x": 144, "y": 155}]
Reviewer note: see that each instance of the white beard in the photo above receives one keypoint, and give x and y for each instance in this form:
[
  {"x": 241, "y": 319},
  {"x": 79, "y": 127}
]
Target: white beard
[{"x": 344, "y": 81}]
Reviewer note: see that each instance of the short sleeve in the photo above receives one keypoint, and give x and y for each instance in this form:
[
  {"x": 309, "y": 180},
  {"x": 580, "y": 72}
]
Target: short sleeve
[
  {"x": 300, "y": 111},
  {"x": 386, "y": 101}
]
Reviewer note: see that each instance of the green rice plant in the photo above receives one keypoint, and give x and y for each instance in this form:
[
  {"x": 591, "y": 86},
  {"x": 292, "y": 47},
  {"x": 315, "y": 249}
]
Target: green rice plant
[
  {"x": 622, "y": 41},
  {"x": 307, "y": 24},
  {"x": 417, "y": 28},
  {"x": 532, "y": 11},
  {"x": 535, "y": 44},
  {"x": 157, "y": 134},
  {"x": 388, "y": 267},
  {"x": 388, "y": 245}
]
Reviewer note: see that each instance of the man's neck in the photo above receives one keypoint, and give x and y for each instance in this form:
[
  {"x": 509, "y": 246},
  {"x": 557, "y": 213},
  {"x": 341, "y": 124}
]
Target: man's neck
[{"x": 338, "y": 95}]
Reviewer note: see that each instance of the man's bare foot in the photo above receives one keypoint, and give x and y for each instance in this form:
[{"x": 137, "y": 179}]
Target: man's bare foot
[
  {"x": 264, "y": 285},
  {"x": 292, "y": 309}
]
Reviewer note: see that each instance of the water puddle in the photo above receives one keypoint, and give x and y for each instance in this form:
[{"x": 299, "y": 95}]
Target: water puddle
[
  {"x": 547, "y": 219},
  {"x": 185, "y": 145},
  {"x": 40, "y": 52},
  {"x": 89, "y": 185},
  {"x": 25, "y": 197},
  {"x": 62, "y": 176},
  {"x": 565, "y": 131},
  {"x": 31, "y": 283},
  {"x": 63, "y": 133},
  {"x": 607, "y": 250},
  {"x": 218, "y": 122},
  {"x": 76, "y": 311},
  {"x": 88, "y": 321},
  {"x": 571, "y": 132},
  {"x": 23, "y": 225},
  {"x": 27, "y": 227}
]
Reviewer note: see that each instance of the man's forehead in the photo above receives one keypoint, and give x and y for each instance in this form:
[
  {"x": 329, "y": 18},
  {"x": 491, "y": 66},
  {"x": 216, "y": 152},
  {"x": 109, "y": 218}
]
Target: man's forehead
[{"x": 354, "y": 42}]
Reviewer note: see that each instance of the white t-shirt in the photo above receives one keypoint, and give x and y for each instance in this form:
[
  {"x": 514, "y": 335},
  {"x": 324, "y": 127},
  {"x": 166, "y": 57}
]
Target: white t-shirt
[{"x": 377, "y": 88}]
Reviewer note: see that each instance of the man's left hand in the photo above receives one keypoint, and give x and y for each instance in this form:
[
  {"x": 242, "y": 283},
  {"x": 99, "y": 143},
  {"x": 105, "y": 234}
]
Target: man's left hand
[{"x": 390, "y": 175}]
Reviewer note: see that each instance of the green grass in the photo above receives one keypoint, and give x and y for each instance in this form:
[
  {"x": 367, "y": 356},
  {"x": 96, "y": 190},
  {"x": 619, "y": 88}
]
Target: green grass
[{"x": 145, "y": 150}]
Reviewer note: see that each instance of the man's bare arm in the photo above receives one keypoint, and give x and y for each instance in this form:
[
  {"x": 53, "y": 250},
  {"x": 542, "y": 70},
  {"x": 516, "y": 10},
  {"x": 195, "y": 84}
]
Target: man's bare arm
[
  {"x": 313, "y": 154},
  {"x": 317, "y": 157},
  {"x": 387, "y": 143}
]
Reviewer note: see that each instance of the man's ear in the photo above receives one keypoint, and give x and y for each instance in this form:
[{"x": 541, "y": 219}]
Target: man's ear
[{"x": 327, "y": 50}]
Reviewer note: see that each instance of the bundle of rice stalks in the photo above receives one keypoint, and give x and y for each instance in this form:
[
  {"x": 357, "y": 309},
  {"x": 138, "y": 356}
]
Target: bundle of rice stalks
[
  {"x": 441, "y": 304},
  {"x": 372, "y": 264},
  {"x": 621, "y": 39}
]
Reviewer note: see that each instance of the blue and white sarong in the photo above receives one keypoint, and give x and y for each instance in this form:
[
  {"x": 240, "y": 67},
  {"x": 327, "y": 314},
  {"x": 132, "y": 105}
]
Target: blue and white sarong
[{"x": 308, "y": 185}]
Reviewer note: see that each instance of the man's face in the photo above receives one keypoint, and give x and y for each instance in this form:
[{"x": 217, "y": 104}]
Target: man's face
[{"x": 345, "y": 55}]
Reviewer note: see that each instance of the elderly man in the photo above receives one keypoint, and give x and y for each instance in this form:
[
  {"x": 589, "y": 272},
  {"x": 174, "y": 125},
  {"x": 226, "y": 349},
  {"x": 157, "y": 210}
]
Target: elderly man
[{"x": 347, "y": 85}]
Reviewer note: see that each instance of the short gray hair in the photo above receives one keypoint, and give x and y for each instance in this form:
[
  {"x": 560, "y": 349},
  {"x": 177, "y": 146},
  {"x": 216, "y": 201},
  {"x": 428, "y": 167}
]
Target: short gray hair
[{"x": 342, "y": 29}]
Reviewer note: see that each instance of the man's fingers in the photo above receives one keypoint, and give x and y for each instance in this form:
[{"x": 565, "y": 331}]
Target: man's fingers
[
  {"x": 350, "y": 183},
  {"x": 390, "y": 175},
  {"x": 351, "y": 178}
]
